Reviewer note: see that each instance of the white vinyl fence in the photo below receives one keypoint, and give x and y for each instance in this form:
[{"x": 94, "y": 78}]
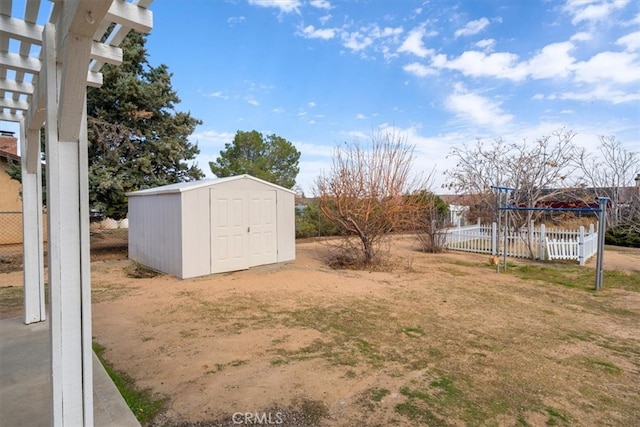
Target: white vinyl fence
[{"x": 530, "y": 242}]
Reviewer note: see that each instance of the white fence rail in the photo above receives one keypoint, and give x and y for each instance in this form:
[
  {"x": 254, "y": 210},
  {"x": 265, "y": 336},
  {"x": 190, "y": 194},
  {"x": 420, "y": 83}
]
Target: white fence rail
[{"x": 531, "y": 242}]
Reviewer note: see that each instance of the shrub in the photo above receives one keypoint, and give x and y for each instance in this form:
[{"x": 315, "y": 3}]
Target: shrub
[
  {"x": 311, "y": 222},
  {"x": 625, "y": 234}
]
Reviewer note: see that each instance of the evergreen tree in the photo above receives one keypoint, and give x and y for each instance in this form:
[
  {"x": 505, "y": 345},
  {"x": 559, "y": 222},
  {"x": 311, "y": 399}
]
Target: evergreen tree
[
  {"x": 137, "y": 139},
  {"x": 271, "y": 158}
]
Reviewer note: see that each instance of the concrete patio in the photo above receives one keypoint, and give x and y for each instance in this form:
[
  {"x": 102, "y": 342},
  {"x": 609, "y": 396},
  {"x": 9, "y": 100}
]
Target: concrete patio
[{"x": 25, "y": 381}]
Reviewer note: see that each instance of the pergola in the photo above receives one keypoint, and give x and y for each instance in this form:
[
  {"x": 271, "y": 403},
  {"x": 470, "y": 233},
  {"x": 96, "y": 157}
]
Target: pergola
[{"x": 46, "y": 64}]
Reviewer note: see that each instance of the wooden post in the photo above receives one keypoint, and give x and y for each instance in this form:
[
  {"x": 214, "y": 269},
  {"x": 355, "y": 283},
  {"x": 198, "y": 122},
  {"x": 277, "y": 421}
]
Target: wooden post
[
  {"x": 543, "y": 241},
  {"x": 32, "y": 252},
  {"x": 71, "y": 358},
  {"x": 581, "y": 256}
]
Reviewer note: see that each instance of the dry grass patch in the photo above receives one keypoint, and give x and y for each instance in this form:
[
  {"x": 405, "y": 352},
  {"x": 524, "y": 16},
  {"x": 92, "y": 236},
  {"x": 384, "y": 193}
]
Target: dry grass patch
[{"x": 445, "y": 342}]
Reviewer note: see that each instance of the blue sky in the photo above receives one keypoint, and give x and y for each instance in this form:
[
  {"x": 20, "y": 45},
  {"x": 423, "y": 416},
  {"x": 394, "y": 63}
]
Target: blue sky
[{"x": 440, "y": 73}]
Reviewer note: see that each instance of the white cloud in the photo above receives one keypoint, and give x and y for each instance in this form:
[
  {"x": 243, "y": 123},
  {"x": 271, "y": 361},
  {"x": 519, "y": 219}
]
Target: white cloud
[
  {"x": 314, "y": 150},
  {"x": 478, "y": 64},
  {"x": 618, "y": 67},
  {"x": 278, "y": 110},
  {"x": 631, "y": 41},
  {"x": 486, "y": 44},
  {"x": 472, "y": 27},
  {"x": 430, "y": 151},
  {"x": 285, "y": 6},
  {"x": 371, "y": 36},
  {"x": 235, "y": 20},
  {"x": 310, "y": 32},
  {"x": 592, "y": 11},
  {"x": 414, "y": 44},
  {"x": 602, "y": 93},
  {"x": 218, "y": 94},
  {"x": 357, "y": 135},
  {"x": 477, "y": 109},
  {"x": 311, "y": 104},
  {"x": 211, "y": 138},
  {"x": 324, "y": 19},
  {"x": 361, "y": 116},
  {"x": 552, "y": 61},
  {"x": 320, "y": 4},
  {"x": 252, "y": 101},
  {"x": 356, "y": 40},
  {"x": 419, "y": 70},
  {"x": 581, "y": 36}
]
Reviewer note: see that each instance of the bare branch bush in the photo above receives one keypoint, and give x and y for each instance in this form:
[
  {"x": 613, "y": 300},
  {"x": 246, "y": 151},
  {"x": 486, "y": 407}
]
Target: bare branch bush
[
  {"x": 430, "y": 222},
  {"x": 364, "y": 195},
  {"x": 610, "y": 172}
]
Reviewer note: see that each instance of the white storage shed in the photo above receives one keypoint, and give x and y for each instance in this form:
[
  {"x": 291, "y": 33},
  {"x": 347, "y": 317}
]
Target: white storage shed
[{"x": 197, "y": 228}]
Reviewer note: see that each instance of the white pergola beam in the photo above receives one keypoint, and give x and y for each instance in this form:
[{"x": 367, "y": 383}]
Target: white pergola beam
[
  {"x": 106, "y": 54},
  {"x": 15, "y": 105},
  {"x": 131, "y": 16},
  {"x": 11, "y": 117},
  {"x": 16, "y": 87},
  {"x": 94, "y": 79},
  {"x": 20, "y": 63},
  {"x": 20, "y": 30}
]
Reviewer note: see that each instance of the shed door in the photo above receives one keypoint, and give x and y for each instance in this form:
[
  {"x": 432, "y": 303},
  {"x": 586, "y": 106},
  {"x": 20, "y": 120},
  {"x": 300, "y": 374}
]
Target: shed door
[
  {"x": 229, "y": 231},
  {"x": 263, "y": 238}
]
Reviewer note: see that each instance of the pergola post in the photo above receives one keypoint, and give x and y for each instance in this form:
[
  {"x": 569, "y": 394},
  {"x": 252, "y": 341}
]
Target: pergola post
[
  {"x": 67, "y": 210},
  {"x": 80, "y": 37},
  {"x": 32, "y": 252}
]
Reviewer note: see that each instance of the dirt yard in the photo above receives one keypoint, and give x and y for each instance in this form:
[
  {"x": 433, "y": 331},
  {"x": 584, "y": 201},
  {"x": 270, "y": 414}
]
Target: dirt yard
[{"x": 439, "y": 340}]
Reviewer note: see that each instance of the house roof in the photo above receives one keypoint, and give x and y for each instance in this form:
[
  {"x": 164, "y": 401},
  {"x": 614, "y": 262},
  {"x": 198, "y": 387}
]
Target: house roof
[
  {"x": 8, "y": 146},
  {"x": 181, "y": 187},
  {"x": 9, "y": 156}
]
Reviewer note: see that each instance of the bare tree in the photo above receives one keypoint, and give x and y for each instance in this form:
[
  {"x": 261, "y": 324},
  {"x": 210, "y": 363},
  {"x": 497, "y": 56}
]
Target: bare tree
[
  {"x": 538, "y": 171},
  {"x": 364, "y": 194},
  {"x": 610, "y": 172}
]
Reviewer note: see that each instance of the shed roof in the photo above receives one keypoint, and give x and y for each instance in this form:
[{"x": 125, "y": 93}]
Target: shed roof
[{"x": 181, "y": 187}]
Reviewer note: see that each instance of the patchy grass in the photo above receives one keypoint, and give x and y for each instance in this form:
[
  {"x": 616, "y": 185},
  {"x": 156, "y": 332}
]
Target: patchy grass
[
  {"x": 11, "y": 299},
  {"x": 413, "y": 331},
  {"x": 605, "y": 366},
  {"x": 144, "y": 404},
  {"x": 576, "y": 277},
  {"x": 101, "y": 292}
]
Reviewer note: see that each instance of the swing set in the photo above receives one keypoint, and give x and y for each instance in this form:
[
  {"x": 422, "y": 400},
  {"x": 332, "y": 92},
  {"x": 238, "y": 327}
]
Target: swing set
[{"x": 505, "y": 208}]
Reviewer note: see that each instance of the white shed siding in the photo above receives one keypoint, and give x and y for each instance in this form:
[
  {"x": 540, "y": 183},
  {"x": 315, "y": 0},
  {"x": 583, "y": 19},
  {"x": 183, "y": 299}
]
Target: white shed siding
[
  {"x": 286, "y": 226},
  {"x": 154, "y": 222},
  {"x": 197, "y": 228}
]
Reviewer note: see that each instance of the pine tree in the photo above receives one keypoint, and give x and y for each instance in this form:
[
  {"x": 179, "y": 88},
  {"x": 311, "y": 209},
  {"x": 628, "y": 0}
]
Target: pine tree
[{"x": 137, "y": 138}]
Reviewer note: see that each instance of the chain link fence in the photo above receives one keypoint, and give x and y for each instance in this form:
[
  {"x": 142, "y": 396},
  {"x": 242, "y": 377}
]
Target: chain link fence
[{"x": 108, "y": 239}]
